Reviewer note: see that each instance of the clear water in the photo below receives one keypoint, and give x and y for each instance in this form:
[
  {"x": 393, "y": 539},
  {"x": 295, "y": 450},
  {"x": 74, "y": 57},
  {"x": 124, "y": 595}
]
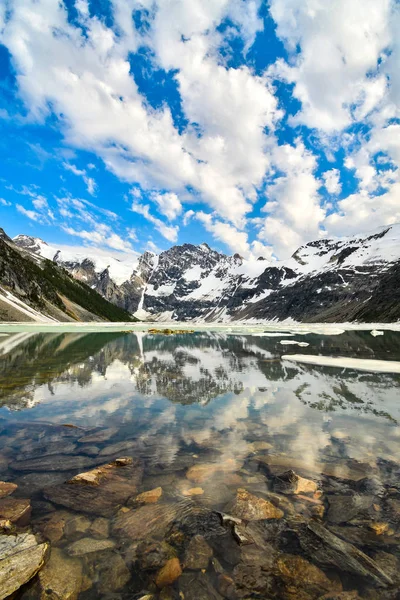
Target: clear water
[{"x": 228, "y": 405}]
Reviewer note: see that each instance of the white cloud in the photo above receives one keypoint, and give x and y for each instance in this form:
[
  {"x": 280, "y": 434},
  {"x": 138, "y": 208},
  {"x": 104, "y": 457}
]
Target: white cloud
[
  {"x": 335, "y": 75},
  {"x": 31, "y": 214},
  {"x": 234, "y": 239},
  {"x": 332, "y": 181},
  {"x": 168, "y": 205},
  {"x": 86, "y": 80},
  {"x": 170, "y": 232},
  {"x": 103, "y": 236},
  {"x": 4, "y": 202},
  {"x": 89, "y": 181},
  {"x": 189, "y": 214},
  {"x": 294, "y": 211}
]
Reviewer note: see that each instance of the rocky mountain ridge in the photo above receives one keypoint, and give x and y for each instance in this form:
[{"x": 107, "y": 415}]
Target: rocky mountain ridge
[
  {"x": 327, "y": 280},
  {"x": 33, "y": 288}
]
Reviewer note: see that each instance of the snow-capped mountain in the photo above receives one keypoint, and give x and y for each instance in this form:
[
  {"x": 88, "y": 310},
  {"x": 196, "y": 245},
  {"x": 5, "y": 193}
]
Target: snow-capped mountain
[{"x": 354, "y": 278}]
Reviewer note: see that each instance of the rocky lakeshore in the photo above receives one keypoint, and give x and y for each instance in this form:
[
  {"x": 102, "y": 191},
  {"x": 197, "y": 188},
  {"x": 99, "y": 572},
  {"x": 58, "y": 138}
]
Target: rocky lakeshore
[{"x": 86, "y": 514}]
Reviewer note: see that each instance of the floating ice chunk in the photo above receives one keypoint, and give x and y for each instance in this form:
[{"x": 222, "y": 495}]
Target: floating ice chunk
[
  {"x": 376, "y": 332},
  {"x": 342, "y": 362},
  {"x": 287, "y": 342}
]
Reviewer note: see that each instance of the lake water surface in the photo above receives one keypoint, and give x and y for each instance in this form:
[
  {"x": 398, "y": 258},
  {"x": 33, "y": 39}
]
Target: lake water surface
[{"x": 269, "y": 478}]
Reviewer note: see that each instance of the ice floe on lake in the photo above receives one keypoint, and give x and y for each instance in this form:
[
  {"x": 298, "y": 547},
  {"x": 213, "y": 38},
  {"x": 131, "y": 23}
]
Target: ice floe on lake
[{"x": 343, "y": 362}]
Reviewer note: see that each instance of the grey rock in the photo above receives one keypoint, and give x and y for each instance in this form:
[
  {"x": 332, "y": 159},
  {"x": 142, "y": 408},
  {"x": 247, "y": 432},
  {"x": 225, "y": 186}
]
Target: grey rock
[
  {"x": 88, "y": 546},
  {"x": 345, "y": 508},
  {"x": 328, "y": 550},
  {"x": 56, "y": 462}
]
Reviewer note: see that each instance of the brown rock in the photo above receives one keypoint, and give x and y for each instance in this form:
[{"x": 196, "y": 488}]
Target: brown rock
[
  {"x": 6, "y": 526},
  {"x": 61, "y": 577},
  {"x": 22, "y": 558},
  {"x": 16, "y": 510},
  {"x": 291, "y": 483},
  {"x": 297, "y": 571},
  {"x": 150, "y": 497},
  {"x": 198, "y": 554},
  {"x": 202, "y": 472},
  {"x": 88, "y": 546},
  {"x": 114, "y": 486},
  {"x": 151, "y": 520},
  {"x": 113, "y": 574},
  {"x": 226, "y": 586},
  {"x": 252, "y": 508},
  {"x": 379, "y": 528},
  {"x": 151, "y": 555},
  {"x": 170, "y": 572},
  {"x": 76, "y": 526},
  {"x": 7, "y": 488},
  {"x": 100, "y": 528},
  {"x": 53, "y": 527},
  {"x": 196, "y": 491}
]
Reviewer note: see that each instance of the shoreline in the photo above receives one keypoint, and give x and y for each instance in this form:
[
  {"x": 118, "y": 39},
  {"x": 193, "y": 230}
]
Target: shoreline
[{"x": 247, "y": 328}]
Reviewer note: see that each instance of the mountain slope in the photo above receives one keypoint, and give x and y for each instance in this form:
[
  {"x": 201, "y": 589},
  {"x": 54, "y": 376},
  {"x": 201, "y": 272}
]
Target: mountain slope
[
  {"x": 34, "y": 288},
  {"x": 354, "y": 278}
]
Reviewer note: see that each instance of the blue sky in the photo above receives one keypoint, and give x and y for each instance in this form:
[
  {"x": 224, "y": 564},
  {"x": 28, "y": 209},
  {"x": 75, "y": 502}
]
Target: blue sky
[{"x": 254, "y": 126}]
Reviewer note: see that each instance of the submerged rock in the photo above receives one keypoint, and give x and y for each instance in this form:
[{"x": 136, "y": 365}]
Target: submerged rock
[
  {"x": 169, "y": 573},
  {"x": 329, "y": 550},
  {"x": 198, "y": 554},
  {"x": 99, "y": 492},
  {"x": 152, "y": 555},
  {"x": 7, "y": 488},
  {"x": 252, "y": 508},
  {"x": 21, "y": 558},
  {"x": 88, "y": 546},
  {"x": 57, "y": 462},
  {"x": 298, "y": 572},
  {"x": 100, "y": 528},
  {"x": 77, "y": 525},
  {"x": 197, "y": 586},
  {"x": 113, "y": 574},
  {"x": 291, "y": 483},
  {"x": 201, "y": 472},
  {"x": 150, "y": 497},
  {"x": 98, "y": 436},
  {"x": 345, "y": 508},
  {"x": 41, "y": 451},
  {"x": 16, "y": 510},
  {"x": 151, "y": 520},
  {"x": 61, "y": 577}
]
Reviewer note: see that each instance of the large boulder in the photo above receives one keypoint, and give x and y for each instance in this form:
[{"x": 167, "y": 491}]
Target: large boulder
[{"x": 21, "y": 558}]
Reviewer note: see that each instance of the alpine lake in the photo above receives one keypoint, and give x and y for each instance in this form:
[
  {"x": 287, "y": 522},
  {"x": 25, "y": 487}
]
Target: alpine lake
[{"x": 198, "y": 466}]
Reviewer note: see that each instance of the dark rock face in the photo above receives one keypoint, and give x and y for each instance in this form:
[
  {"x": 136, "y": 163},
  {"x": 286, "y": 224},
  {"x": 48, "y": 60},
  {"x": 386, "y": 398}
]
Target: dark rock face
[{"x": 324, "y": 281}]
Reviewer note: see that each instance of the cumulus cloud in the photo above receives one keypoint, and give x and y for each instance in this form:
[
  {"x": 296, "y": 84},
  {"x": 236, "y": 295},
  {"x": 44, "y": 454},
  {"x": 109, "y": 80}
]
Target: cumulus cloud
[
  {"x": 294, "y": 212},
  {"x": 234, "y": 239},
  {"x": 168, "y": 205},
  {"x": 335, "y": 74},
  {"x": 332, "y": 181},
  {"x": 343, "y": 63},
  {"x": 4, "y": 202}
]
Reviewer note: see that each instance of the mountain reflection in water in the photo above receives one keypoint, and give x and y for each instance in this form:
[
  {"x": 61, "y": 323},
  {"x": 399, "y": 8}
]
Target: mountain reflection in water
[{"x": 224, "y": 401}]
